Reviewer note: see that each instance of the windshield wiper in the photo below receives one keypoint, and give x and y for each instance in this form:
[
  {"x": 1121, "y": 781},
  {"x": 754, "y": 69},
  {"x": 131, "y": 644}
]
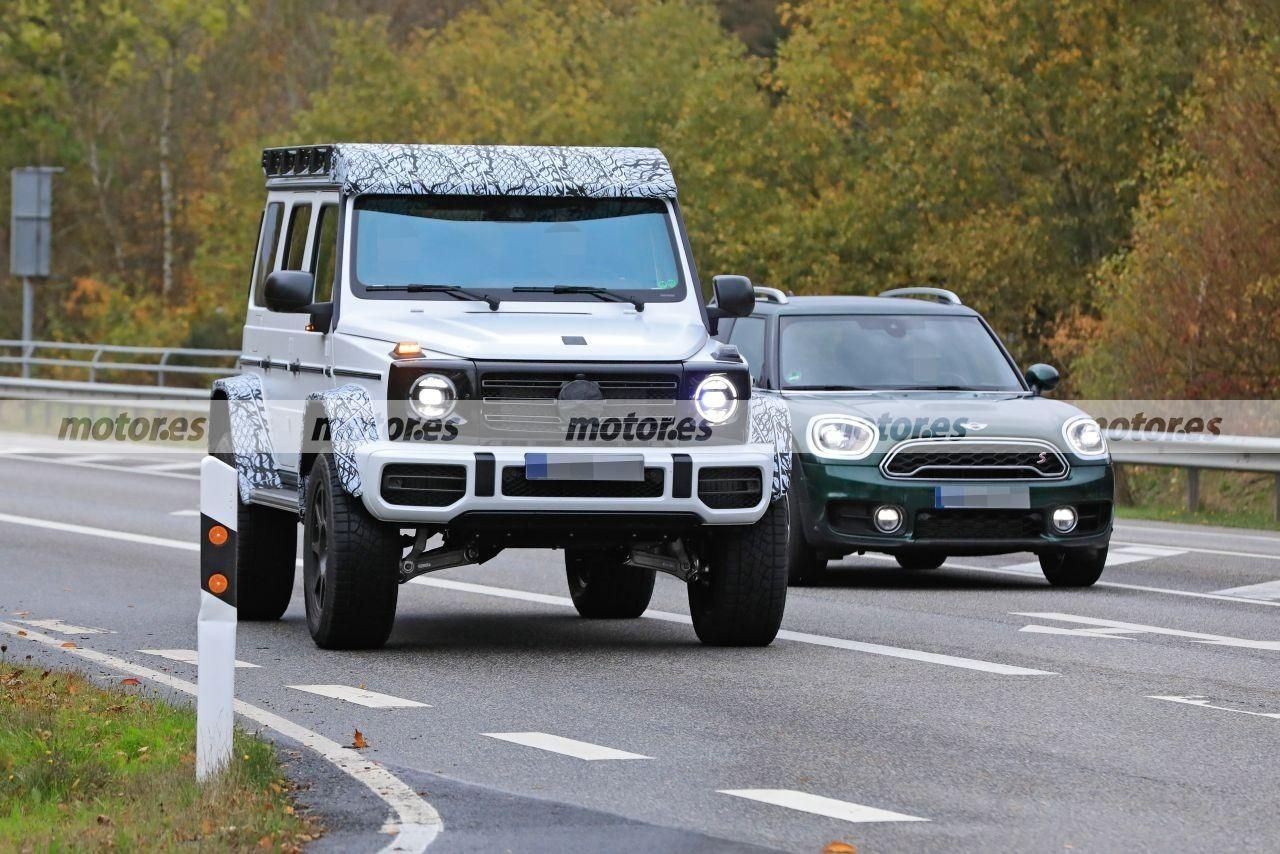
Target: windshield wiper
[
  {"x": 602, "y": 293},
  {"x": 451, "y": 290}
]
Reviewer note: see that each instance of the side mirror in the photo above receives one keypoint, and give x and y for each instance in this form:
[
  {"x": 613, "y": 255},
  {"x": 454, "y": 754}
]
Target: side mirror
[
  {"x": 289, "y": 290},
  {"x": 1042, "y": 377},
  {"x": 732, "y": 296}
]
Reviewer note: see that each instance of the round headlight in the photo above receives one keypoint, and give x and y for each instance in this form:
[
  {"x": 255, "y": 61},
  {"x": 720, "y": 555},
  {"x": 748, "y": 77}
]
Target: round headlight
[
  {"x": 1084, "y": 437},
  {"x": 715, "y": 399},
  {"x": 1064, "y": 519},
  {"x": 844, "y": 437},
  {"x": 432, "y": 396}
]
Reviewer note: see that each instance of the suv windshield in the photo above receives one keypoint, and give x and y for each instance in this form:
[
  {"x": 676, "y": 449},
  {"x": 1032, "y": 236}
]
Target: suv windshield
[
  {"x": 892, "y": 351},
  {"x": 515, "y": 247}
]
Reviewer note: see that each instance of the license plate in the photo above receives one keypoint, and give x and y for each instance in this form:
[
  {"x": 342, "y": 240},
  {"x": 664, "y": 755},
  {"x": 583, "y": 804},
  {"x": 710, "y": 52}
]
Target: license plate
[
  {"x": 984, "y": 497},
  {"x": 583, "y": 467}
]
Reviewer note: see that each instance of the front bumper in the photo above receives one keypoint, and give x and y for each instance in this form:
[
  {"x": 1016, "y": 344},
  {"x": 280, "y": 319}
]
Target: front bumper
[
  {"x": 836, "y": 501},
  {"x": 685, "y": 488}
]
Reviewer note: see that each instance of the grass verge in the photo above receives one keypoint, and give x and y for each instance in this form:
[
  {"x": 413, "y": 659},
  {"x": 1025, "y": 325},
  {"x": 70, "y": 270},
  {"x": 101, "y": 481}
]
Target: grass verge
[{"x": 87, "y": 768}]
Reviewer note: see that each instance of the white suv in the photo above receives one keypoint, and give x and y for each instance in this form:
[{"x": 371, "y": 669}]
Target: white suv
[{"x": 452, "y": 350}]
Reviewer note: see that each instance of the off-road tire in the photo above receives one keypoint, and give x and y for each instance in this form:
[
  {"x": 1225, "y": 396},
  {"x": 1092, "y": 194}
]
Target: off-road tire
[
  {"x": 739, "y": 602},
  {"x": 266, "y": 551},
  {"x": 805, "y": 567},
  {"x": 603, "y": 587},
  {"x": 919, "y": 560},
  {"x": 350, "y": 565},
  {"x": 1074, "y": 567}
]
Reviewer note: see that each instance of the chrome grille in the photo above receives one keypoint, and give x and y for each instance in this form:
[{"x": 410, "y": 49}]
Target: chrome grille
[
  {"x": 526, "y": 402},
  {"x": 975, "y": 459}
]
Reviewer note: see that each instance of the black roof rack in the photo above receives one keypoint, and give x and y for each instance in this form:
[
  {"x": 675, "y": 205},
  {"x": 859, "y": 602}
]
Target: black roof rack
[
  {"x": 940, "y": 294},
  {"x": 304, "y": 161}
]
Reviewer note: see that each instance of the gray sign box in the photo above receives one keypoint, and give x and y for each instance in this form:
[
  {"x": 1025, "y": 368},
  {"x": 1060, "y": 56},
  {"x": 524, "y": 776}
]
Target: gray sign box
[{"x": 30, "y": 231}]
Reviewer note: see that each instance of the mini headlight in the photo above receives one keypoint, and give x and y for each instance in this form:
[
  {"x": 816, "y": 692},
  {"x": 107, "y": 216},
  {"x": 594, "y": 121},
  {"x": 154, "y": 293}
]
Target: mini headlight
[
  {"x": 432, "y": 396},
  {"x": 1084, "y": 437},
  {"x": 844, "y": 437},
  {"x": 715, "y": 399}
]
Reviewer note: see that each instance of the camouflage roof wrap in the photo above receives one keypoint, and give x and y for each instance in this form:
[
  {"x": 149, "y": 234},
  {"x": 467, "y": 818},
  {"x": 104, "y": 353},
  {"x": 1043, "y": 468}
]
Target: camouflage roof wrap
[{"x": 502, "y": 170}]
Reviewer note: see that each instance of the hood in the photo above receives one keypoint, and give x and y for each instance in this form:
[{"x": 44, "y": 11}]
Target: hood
[
  {"x": 618, "y": 334},
  {"x": 901, "y": 416}
]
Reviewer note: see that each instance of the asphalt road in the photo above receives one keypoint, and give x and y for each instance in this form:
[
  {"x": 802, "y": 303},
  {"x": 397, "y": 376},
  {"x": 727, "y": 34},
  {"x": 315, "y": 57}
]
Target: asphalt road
[{"x": 1140, "y": 715}]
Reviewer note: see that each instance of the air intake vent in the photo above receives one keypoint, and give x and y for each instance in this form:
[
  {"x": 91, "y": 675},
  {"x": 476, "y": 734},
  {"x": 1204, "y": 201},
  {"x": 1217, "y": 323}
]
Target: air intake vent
[
  {"x": 730, "y": 488},
  {"x": 418, "y": 485},
  {"x": 966, "y": 459}
]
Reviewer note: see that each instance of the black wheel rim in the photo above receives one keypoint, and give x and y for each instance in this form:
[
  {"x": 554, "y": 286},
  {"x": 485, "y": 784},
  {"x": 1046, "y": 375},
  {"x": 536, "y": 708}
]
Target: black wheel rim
[{"x": 318, "y": 546}]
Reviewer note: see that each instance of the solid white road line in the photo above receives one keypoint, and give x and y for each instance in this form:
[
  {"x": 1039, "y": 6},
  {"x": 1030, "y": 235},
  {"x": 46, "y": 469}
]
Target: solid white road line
[
  {"x": 1115, "y": 557},
  {"x": 818, "y": 805},
  {"x": 186, "y": 656},
  {"x": 1268, "y": 591},
  {"x": 417, "y": 823},
  {"x": 1138, "y": 628},
  {"x": 1122, "y": 528},
  {"x": 566, "y": 746},
  {"x": 800, "y": 637},
  {"x": 361, "y": 697},
  {"x": 184, "y": 512},
  {"x": 1199, "y": 551},
  {"x": 1113, "y": 634},
  {"x": 64, "y": 628},
  {"x": 1203, "y": 702},
  {"x": 104, "y": 533}
]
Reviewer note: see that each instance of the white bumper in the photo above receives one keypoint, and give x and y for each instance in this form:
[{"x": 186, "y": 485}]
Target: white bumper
[{"x": 373, "y": 457}]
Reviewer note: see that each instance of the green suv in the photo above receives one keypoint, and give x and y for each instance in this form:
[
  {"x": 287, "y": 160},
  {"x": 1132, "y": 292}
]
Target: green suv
[{"x": 917, "y": 436}]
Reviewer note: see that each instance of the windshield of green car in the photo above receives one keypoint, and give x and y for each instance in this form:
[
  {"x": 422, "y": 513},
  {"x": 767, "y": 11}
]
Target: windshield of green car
[
  {"x": 892, "y": 351},
  {"x": 514, "y": 247}
]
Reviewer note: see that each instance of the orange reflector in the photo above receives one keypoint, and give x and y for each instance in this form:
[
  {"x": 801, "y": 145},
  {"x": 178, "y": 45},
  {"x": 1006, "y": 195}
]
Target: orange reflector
[
  {"x": 407, "y": 350},
  {"x": 217, "y": 535},
  {"x": 217, "y": 584}
]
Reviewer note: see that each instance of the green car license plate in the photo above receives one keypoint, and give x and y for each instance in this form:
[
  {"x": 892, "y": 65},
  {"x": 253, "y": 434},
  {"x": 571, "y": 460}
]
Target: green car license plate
[{"x": 982, "y": 496}]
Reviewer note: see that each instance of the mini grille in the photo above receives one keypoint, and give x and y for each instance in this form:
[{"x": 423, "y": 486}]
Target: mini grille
[
  {"x": 978, "y": 524},
  {"x": 954, "y": 460},
  {"x": 729, "y": 488},
  {"x": 516, "y": 485},
  {"x": 416, "y": 485}
]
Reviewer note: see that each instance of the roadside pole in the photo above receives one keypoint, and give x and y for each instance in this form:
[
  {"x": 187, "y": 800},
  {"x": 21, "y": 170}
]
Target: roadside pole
[
  {"x": 30, "y": 234},
  {"x": 216, "y": 628}
]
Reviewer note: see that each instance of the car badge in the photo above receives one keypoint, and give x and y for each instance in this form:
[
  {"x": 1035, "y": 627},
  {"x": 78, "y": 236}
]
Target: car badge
[{"x": 1042, "y": 459}]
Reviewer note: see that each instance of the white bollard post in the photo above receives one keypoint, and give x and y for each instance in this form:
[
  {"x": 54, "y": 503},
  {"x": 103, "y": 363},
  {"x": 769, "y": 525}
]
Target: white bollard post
[{"x": 216, "y": 628}]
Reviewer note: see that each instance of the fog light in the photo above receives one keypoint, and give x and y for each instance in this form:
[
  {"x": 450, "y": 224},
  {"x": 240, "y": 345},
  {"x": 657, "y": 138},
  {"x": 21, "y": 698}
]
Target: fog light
[
  {"x": 888, "y": 519},
  {"x": 1064, "y": 520}
]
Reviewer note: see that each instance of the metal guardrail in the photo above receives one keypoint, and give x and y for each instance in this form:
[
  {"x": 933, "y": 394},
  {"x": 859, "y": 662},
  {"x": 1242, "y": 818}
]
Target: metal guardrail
[
  {"x": 89, "y": 362},
  {"x": 1194, "y": 452}
]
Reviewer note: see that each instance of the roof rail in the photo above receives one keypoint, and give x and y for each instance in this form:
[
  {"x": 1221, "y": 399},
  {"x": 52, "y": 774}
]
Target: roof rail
[
  {"x": 771, "y": 295},
  {"x": 940, "y": 294}
]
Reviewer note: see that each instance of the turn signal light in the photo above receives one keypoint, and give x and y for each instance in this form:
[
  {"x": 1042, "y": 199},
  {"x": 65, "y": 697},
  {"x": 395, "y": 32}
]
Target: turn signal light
[{"x": 407, "y": 350}]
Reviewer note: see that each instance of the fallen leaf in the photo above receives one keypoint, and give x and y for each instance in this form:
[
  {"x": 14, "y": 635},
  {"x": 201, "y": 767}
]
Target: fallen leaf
[
  {"x": 68, "y": 645},
  {"x": 358, "y": 742},
  {"x": 129, "y": 680},
  {"x": 839, "y": 848},
  {"x": 22, "y": 633},
  {"x": 102, "y": 819},
  {"x": 266, "y": 842},
  {"x": 22, "y": 613}
]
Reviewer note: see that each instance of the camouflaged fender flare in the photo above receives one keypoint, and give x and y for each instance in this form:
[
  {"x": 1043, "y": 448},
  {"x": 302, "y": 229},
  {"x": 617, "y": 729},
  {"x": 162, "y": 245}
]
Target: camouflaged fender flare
[
  {"x": 771, "y": 425},
  {"x": 244, "y": 424},
  {"x": 349, "y": 413}
]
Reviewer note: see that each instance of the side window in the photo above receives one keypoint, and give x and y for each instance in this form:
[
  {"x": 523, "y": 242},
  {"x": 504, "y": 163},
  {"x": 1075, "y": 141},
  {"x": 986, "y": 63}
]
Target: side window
[
  {"x": 267, "y": 245},
  {"x": 323, "y": 255},
  {"x": 748, "y": 337},
  {"x": 299, "y": 221}
]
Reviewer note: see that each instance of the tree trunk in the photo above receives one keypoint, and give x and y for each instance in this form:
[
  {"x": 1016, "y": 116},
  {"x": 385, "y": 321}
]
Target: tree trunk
[{"x": 166, "y": 175}]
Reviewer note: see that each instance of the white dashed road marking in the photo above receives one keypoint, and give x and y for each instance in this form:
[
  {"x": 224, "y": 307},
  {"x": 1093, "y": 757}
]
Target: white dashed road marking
[
  {"x": 361, "y": 697},
  {"x": 1115, "y": 557},
  {"x": 184, "y": 464},
  {"x": 64, "y": 628},
  {"x": 416, "y": 822},
  {"x": 818, "y": 805},
  {"x": 184, "y": 512},
  {"x": 1203, "y": 702},
  {"x": 1109, "y": 626},
  {"x": 185, "y": 656},
  {"x": 566, "y": 746},
  {"x": 1267, "y": 591}
]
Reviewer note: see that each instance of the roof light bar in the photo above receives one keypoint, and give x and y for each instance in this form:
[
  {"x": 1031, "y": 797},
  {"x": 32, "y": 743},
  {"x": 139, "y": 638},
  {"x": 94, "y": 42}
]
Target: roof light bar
[
  {"x": 939, "y": 294},
  {"x": 302, "y": 161}
]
